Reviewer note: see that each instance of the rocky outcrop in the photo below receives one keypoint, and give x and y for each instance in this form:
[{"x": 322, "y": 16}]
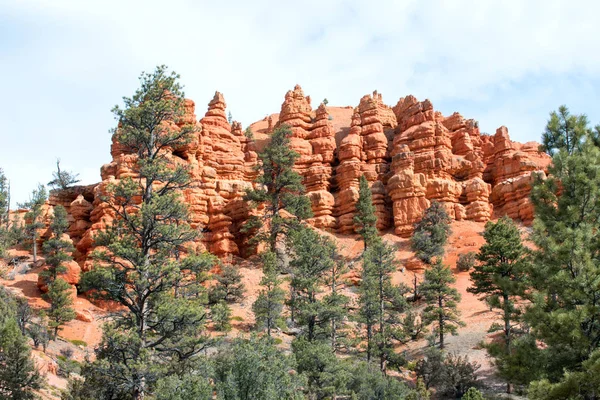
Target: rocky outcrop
[
  {"x": 313, "y": 139},
  {"x": 220, "y": 160},
  {"x": 511, "y": 169},
  {"x": 364, "y": 151},
  {"x": 410, "y": 154}
]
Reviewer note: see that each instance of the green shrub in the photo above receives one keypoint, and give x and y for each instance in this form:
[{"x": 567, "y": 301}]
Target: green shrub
[
  {"x": 466, "y": 261},
  {"x": 79, "y": 343}
]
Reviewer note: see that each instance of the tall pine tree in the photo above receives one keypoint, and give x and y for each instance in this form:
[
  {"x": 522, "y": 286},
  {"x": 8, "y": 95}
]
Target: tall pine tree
[
  {"x": 313, "y": 256},
  {"x": 61, "y": 310},
  {"x": 431, "y": 233},
  {"x": 268, "y": 306},
  {"x": 500, "y": 278},
  {"x": 4, "y": 200},
  {"x": 139, "y": 266},
  {"x": 33, "y": 216},
  {"x": 365, "y": 218},
  {"x": 57, "y": 248},
  {"x": 278, "y": 188},
  {"x": 442, "y": 301},
  {"x": 565, "y": 314},
  {"x": 18, "y": 375},
  {"x": 383, "y": 309}
]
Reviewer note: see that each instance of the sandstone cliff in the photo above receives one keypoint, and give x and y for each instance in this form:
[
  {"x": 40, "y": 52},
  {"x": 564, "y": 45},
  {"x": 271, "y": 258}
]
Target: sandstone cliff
[{"x": 410, "y": 154}]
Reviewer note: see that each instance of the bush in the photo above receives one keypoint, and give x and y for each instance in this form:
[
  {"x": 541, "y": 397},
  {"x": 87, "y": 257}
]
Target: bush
[
  {"x": 466, "y": 261},
  {"x": 66, "y": 352},
  {"x": 459, "y": 375},
  {"x": 473, "y": 394},
  {"x": 80, "y": 343},
  {"x": 450, "y": 374},
  {"x": 66, "y": 366}
]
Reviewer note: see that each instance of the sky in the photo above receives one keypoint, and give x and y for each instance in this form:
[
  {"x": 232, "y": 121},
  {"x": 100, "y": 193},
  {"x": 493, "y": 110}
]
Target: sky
[{"x": 64, "y": 64}]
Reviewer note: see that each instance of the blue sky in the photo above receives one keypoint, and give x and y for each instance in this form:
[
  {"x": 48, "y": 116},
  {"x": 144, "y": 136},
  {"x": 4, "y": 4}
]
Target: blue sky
[{"x": 65, "y": 63}]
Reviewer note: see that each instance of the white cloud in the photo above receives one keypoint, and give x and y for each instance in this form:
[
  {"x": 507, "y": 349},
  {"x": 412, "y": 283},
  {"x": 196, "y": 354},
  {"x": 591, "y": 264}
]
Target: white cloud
[{"x": 65, "y": 63}]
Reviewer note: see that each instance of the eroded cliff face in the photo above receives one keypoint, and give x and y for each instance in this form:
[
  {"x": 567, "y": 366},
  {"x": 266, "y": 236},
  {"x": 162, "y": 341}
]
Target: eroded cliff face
[{"x": 410, "y": 154}]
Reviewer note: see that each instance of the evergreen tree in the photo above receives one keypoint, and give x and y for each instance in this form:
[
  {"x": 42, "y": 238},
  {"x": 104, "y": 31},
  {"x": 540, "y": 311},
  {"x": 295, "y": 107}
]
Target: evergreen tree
[
  {"x": 255, "y": 369},
  {"x": 139, "y": 264},
  {"x": 23, "y": 313},
  {"x": 442, "y": 300},
  {"x": 365, "y": 217},
  {"x": 336, "y": 304},
  {"x": 565, "y": 269},
  {"x": 383, "y": 309},
  {"x": 500, "y": 278},
  {"x": 60, "y": 311},
  {"x": 269, "y": 304},
  {"x": 431, "y": 233},
  {"x": 473, "y": 394},
  {"x": 229, "y": 287},
  {"x": 190, "y": 386},
  {"x": 18, "y": 375},
  {"x": 56, "y": 248},
  {"x": 62, "y": 179},
  {"x": 312, "y": 258},
  {"x": 33, "y": 216},
  {"x": 565, "y": 132},
  {"x": 327, "y": 377},
  {"x": 369, "y": 383},
  {"x": 278, "y": 188},
  {"x": 4, "y": 200},
  {"x": 220, "y": 314}
]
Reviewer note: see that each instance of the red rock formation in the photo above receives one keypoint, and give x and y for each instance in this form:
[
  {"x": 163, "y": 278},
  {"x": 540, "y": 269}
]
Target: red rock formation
[
  {"x": 220, "y": 160},
  {"x": 511, "y": 168},
  {"x": 410, "y": 154},
  {"x": 364, "y": 151},
  {"x": 313, "y": 138}
]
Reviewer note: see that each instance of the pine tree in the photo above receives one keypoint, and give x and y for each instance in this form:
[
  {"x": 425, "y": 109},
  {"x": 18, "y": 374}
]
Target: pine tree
[
  {"x": 33, "y": 216},
  {"x": 336, "y": 304},
  {"x": 365, "y": 217},
  {"x": 255, "y": 369},
  {"x": 473, "y": 394},
  {"x": 442, "y": 300},
  {"x": 56, "y": 248},
  {"x": 18, "y": 375},
  {"x": 4, "y": 200},
  {"x": 5, "y": 239},
  {"x": 229, "y": 287},
  {"x": 501, "y": 275},
  {"x": 383, "y": 308},
  {"x": 60, "y": 311},
  {"x": 327, "y": 377},
  {"x": 431, "y": 233},
  {"x": 565, "y": 132},
  {"x": 62, "y": 179},
  {"x": 220, "y": 314},
  {"x": 269, "y": 304},
  {"x": 139, "y": 264},
  {"x": 278, "y": 188},
  {"x": 313, "y": 256},
  {"x": 566, "y": 234}
]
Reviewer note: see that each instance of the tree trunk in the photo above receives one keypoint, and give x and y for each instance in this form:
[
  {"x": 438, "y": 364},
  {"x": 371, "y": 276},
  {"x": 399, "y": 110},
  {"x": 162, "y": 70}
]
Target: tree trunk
[
  {"x": 369, "y": 340},
  {"x": 381, "y": 324},
  {"x": 507, "y": 333},
  {"x": 34, "y": 247},
  {"x": 441, "y": 322}
]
